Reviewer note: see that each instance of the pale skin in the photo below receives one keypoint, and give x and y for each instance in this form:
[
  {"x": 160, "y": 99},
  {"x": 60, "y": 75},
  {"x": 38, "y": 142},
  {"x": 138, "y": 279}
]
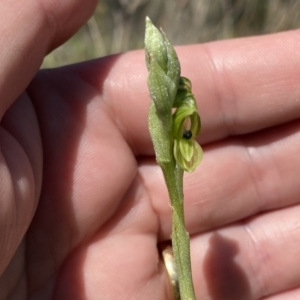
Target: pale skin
[{"x": 77, "y": 167}]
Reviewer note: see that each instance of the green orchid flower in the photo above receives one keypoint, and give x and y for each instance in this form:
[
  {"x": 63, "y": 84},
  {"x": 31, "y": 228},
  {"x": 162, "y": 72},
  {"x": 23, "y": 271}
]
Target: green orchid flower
[{"x": 186, "y": 127}]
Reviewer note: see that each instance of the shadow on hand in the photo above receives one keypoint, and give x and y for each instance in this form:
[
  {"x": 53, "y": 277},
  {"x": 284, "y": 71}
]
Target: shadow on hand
[{"x": 225, "y": 278}]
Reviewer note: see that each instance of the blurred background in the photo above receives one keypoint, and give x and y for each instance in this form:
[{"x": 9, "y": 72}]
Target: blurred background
[{"x": 119, "y": 25}]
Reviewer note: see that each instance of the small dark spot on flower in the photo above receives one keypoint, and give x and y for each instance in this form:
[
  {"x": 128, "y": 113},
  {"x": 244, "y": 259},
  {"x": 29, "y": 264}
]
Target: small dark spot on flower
[{"x": 187, "y": 134}]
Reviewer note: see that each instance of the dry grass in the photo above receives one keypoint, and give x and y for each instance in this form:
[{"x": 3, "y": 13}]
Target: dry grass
[{"x": 118, "y": 25}]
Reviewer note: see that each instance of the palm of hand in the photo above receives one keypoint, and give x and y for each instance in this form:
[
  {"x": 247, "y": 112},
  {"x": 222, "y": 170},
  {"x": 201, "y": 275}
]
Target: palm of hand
[
  {"x": 103, "y": 206},
  {"x": 95, "y": 225}
]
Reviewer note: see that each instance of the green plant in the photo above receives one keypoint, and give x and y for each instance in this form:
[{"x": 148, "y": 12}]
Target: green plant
[{"x": 173, "y": 135}]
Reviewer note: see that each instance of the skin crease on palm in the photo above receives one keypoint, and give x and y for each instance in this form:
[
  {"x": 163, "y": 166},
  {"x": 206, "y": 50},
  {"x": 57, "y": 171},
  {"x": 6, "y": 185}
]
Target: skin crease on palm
[{"x": 83, "y": 203}]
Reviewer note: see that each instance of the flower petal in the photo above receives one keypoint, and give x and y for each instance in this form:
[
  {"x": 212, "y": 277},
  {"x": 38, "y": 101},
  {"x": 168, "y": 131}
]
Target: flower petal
[
  {"x": 197, "y": 157},
  {"x": 186, "y": 148},
  {"x": 188, "y": 154}
]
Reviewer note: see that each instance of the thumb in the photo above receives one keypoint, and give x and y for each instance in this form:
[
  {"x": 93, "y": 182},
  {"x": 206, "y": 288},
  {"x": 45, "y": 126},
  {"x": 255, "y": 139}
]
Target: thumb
[{"x": 29, "y": 30}]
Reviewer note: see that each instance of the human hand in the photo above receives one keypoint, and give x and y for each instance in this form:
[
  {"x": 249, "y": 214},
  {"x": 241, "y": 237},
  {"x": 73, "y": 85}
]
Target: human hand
[{"x": 103, "y": 206}]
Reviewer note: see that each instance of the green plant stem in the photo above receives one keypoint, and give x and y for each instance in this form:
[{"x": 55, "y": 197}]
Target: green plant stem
[
  {"x": 180, "y": 238},
  {"x": 173, "y": 175}
]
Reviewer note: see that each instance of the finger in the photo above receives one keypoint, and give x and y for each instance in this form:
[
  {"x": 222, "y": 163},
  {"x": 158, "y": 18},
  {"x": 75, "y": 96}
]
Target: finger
[
  {"x": 28, "y": 31},
  {"x": 237, "y": 178},
  {"x": 18, "y": 196},
  {"x": 240, "y": 85},
  {"x": 287, "y": 295},
  {"x": 31, "y": 29},
  {"x": 247, "y": 84},
  {"x": 250, "y": 260}
]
